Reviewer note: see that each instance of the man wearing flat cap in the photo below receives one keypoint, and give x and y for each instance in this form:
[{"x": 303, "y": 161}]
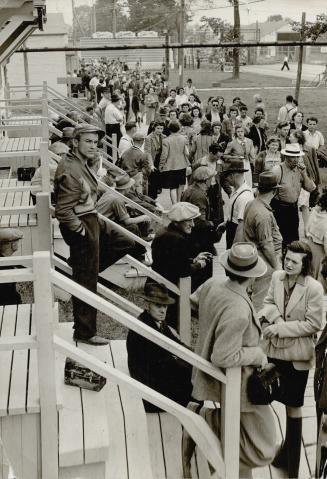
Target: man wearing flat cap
[
  {"x": 149, "y": 363},
  {"x": 9, "y": 240},
  {"x": 260, "y": 228},
  {"x": 76, "y": 195}
]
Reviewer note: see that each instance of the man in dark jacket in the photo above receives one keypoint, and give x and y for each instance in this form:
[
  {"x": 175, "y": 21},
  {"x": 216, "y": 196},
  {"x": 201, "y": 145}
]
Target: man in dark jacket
[
  {"x": 76, "y": 194},
  {"x": 149, "y": 363},
  {"x": 9, "y": 239}
]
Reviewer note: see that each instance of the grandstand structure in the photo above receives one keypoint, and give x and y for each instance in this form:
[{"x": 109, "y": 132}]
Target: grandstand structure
[{"x": 148, "y": 58}]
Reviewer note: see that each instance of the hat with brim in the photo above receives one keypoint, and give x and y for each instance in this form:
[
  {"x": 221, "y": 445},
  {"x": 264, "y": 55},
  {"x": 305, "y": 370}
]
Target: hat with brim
[
  {"x": 123, "y": 182},
  {"x": 115, "y": 98},
  {"x": 86, "y": 128},
  {"x": 235, "y": 166},
  {"x": 157, "y": 293},
  {"x": 243, "y": 260},
  {"x": 292, "y": 150},
  {"x": 183, "y": 211},
  {"x": 268, "y": 181}
]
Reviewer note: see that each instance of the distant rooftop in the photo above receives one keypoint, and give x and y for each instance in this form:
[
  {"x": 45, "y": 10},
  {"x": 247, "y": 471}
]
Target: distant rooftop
[{"x": 267, "y": 27}]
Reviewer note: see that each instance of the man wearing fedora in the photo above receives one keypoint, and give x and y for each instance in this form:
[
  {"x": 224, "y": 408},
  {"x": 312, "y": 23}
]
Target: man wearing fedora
[
  {"x": 76, "y": 189},
  {"x": 113, "y": 118},
  {"x": 239, "y": 198},
  {"x": 260, "y": 228},
  {"x": 229, "y": 336},
  {"x": 291, "y": 176},
  {"x": 149, "y": 363}
]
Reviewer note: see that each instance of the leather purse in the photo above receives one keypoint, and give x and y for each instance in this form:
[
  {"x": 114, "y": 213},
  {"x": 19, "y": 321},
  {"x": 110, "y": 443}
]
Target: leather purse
[{"x": 265, "y": 385}]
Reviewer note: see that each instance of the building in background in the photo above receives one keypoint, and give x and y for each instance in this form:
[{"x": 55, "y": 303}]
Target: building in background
[{"x": 43, "y": 66}]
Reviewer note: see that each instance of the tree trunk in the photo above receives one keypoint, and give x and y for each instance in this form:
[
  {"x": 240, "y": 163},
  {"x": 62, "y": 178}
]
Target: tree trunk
[{"x": 236, "y": 51}]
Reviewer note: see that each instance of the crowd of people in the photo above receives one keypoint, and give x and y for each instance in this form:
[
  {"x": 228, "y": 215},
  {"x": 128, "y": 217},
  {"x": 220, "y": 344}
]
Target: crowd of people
[{"x": 226, "y": 171}]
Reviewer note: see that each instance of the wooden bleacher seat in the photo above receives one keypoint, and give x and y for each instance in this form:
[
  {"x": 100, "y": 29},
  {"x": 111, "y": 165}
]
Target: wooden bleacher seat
[
  {"x": 14, "y": 151},
  {"x": 26, "y": 222}
]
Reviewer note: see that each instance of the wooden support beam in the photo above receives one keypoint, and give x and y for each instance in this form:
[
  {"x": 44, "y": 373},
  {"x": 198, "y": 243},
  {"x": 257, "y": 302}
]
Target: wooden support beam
[
  {"x": 46, "y": 364},
  {"x": 184, "y": 311},
  {"x": 43, "y": 222},
  {"x": 14, "y": 343}
]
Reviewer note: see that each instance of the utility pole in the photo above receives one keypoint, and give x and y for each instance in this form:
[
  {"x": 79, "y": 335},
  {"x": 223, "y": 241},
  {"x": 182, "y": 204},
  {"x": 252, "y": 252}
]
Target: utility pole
[
  {"x": 181, "y": 40},
  {"x": 300, "y": 60},
  {"x": 167, "y": 55},
  {"x": 114, "y": 18},
  {"x": 94, "y": 19},
  {"x": 237, "y": 28}
]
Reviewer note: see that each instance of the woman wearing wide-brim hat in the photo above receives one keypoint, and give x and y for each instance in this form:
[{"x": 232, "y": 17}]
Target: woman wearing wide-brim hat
[
  {"x": 149, "y": 363},
  {"x": 229, "y": 335}
]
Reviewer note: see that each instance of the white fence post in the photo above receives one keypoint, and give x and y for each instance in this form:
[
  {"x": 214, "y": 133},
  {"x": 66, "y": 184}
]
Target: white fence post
[
  {"x": 45, "y": 113},
  {"x": 43, "y": 222},
  {"x": 230, "y": 421},
  {"x": 45, "y": 169},
  {"x": 184, "y": 311},
  {"x": 46, "y": 364},
  {"x": 114, "y": 147}
]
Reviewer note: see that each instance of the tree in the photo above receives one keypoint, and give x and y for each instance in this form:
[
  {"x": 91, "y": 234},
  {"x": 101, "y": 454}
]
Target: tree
[
  {"x": 105, "y": 17},
  {"x": 153, "y": 15},
  {"x": 275, "y": 18},
  {"x": 312, "y": 30},
  {"x": 82, "y": 22}
]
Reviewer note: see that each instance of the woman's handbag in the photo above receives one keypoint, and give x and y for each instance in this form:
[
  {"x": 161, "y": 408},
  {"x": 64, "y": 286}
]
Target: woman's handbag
[{"x": 264, "y": 385}]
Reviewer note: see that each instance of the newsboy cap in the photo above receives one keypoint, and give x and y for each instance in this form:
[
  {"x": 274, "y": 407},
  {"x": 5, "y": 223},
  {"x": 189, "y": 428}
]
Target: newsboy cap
[
  {"x": 183, "y": 211},
  {"x": 138, "y": 136},
  {"x": 202, "y": 173},
  {"x": 8, "y": 235}
]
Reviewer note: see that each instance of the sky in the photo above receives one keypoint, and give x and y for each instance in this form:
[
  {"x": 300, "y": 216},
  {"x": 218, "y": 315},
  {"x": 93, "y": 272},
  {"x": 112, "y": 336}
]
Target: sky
[{"x": 250, "y": 12}]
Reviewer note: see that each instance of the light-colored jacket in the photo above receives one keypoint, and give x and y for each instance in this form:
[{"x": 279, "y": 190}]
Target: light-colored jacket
[
  {"x": 229, "y": 336},
  {"x": 174, "y": 155},
  {"x": 304, "y": 311}
]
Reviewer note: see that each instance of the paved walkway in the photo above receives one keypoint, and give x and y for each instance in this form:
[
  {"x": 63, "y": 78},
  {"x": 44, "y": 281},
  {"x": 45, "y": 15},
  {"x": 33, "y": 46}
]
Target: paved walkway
[{"x": 309, "y": 72}]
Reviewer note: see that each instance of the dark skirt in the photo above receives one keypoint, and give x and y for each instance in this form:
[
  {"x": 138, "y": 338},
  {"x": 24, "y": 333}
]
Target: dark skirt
[
  {"x": 294, "y": 382},
  {"x": 172, "y": 179}
]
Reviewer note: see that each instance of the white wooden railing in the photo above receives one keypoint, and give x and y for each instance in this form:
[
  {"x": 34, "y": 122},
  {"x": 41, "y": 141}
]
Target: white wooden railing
[{"x": 223, "y": 456}]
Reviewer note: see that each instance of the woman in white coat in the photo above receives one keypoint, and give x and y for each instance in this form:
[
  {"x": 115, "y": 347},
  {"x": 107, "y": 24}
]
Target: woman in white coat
[{"x": 291, "y": 316}]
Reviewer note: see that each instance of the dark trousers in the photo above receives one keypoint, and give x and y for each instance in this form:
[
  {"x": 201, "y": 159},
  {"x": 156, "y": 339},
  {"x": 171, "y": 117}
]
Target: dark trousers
[
  {"x": 110, "y": 130},
  {"x": 285, "y": 64},
  {"x": 287, "y": 218},
  {"x": 84, "y": 261},
  {"x": 230, "y": 233}
]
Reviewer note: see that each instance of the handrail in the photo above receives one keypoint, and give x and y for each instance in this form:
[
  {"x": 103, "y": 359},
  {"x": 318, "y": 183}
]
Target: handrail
[
  {"x": 131, "y": 202},
  {"x": 196, "y": 426},
  {"x": 101, "y": 289},
  {"x": 130, "y": 322}
]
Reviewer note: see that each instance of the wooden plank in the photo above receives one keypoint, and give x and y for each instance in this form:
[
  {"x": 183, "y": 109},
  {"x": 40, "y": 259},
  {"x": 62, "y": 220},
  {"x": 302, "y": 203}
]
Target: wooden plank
[
  {"x": 71, "y": 448},
  {"x": 156, "y": 446},
  {"x": 31, "y": 446},
  {"x": 87, "y": 471},
  {"x": 33, "y": 393},
  {"x": 117, "y": 465},
  {"x": 172, "y": 437},
  {"x": 135, "y": 420},
  {"x": 7, "y": 329},
  {"x": 14, "y": 219},
  {"x": 20, "y": 144},
  {"x": 5, "y": 219},
  {"x": 96, "y": 436},
  {"x": 15, "y": 144},
  {"x": 12, "y": 440},
  {"x": 18, "y": 385}
]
